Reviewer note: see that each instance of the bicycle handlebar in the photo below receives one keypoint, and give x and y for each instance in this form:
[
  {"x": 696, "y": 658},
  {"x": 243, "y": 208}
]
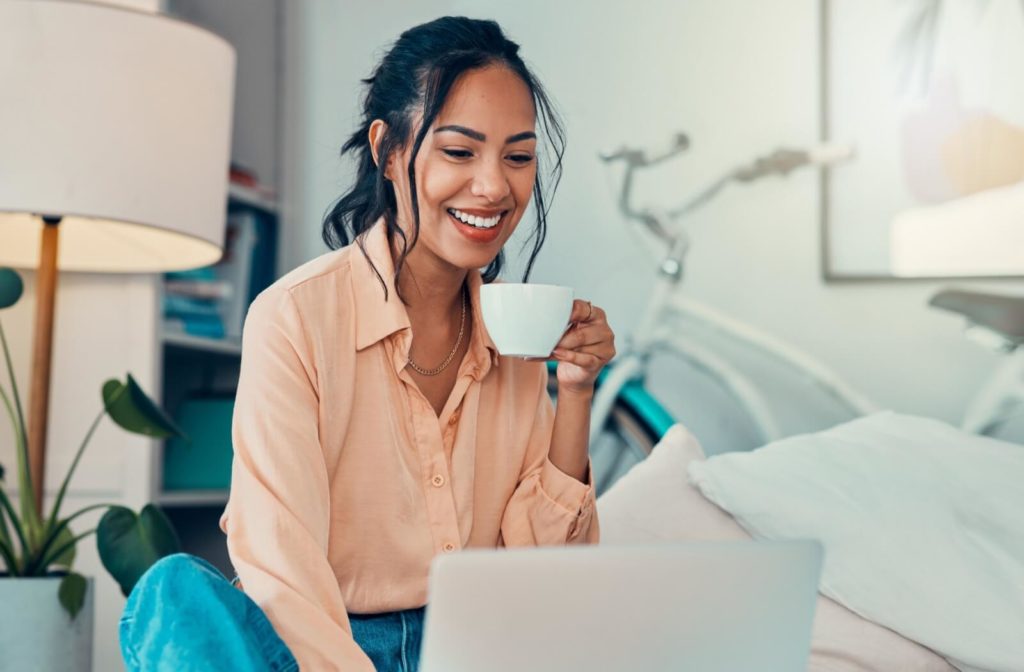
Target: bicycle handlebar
[
  {"x": 636, "y": 157},
  {"x": 780, "y": 162}
]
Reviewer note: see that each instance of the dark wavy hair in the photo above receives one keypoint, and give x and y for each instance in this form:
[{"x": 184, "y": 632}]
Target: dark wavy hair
[{"x": 417, "y": 73}]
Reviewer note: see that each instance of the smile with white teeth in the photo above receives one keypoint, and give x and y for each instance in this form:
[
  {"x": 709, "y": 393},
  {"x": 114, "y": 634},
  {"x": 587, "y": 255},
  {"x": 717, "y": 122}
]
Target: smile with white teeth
[{"x": 472, "y": 220}]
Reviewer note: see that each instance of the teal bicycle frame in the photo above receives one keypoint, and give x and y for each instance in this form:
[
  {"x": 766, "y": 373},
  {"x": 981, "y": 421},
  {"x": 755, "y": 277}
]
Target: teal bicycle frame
[{"x": 635, "y": 398}]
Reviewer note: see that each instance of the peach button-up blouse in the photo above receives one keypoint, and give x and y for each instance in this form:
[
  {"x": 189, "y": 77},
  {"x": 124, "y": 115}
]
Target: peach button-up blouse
[{"x": 345, "y": 482}]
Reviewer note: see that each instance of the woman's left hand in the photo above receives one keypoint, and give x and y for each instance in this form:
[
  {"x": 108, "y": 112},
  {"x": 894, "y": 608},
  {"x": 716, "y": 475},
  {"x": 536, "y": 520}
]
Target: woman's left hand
[{"x": 584, "y": 349}]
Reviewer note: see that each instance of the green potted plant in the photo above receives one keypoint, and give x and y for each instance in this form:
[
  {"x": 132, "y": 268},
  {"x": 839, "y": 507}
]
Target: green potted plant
[{"x": 45, "y": 606}]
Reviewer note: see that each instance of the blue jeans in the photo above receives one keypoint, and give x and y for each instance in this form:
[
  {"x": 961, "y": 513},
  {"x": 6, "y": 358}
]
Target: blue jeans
[{"x": 184, "y": 615}]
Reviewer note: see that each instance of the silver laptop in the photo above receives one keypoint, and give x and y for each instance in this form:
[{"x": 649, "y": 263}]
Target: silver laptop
[{"x": 695, "y": 606}]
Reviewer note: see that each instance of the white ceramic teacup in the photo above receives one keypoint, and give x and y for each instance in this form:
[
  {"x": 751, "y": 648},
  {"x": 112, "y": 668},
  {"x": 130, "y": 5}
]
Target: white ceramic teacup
[{"x": 525, "y": 320}]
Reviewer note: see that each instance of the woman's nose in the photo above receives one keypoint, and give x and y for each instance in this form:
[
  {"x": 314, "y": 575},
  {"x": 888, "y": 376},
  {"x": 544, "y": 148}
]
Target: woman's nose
[{"x": 490, "y": 182}]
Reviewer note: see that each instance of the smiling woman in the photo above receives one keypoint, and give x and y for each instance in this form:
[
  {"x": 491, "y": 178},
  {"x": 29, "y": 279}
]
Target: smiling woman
[{"x": 376, "y": 425}]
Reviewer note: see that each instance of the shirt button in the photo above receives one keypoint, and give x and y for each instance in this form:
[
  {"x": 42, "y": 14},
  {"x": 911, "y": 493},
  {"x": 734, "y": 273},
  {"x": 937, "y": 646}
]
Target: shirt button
[
  {"x": 437, "y": 480},
  {"x": 449, "y": 547},
  {"x": 454, "y": 419}
]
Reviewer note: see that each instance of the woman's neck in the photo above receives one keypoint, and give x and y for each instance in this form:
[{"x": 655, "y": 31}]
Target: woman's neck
[{"x": 431, "y": 287}]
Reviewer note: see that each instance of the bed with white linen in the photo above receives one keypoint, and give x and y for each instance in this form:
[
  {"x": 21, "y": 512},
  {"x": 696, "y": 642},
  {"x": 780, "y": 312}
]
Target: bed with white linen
[{"x": 923, "y": 528}]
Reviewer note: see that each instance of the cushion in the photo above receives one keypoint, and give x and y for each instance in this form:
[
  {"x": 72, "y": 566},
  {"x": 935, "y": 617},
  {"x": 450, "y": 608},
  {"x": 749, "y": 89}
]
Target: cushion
[
  {"x": 655, "y": 501},
  {"x": 921, "y": 522}
]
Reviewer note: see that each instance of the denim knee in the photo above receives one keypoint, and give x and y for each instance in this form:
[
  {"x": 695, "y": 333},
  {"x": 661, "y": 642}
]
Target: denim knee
[
  {"x": 173, "y": 576},
  {"x": 183, "y": 566},
  {"x": 183, "y": 614},
  {"x": 157, "y": 598}
]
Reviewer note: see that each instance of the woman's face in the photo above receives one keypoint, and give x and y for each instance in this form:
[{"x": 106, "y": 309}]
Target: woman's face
[{"x": 475, "y": 169}]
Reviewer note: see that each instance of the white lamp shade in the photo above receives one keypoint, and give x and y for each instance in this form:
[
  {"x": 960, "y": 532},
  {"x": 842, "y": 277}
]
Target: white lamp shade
[{"x": 119, "y": 121}]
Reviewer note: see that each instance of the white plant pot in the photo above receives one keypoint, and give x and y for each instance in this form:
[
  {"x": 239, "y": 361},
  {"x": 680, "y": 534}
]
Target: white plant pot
[{"x": 35, "y": 631}]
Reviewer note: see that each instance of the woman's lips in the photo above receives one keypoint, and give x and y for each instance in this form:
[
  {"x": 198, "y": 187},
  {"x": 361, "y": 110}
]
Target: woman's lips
[{"x": 476, "y": 234}]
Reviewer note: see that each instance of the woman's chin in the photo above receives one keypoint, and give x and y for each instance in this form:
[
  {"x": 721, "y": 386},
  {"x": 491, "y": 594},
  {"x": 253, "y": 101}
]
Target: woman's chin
[
  {"x": 472, "y": 261},
  {"x": 468, "y": 255}
]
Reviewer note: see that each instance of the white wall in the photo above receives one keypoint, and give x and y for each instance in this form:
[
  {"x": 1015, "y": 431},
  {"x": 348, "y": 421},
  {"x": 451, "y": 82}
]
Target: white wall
[{"x": 741, "y": 78}]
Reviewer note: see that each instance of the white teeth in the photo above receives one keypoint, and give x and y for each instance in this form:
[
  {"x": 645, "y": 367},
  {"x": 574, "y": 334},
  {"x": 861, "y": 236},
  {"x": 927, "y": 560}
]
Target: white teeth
[{"x": 472, "y": 220}]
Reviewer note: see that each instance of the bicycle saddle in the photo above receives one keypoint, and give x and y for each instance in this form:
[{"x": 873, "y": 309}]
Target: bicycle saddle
[{"x": 998, "y": 312}]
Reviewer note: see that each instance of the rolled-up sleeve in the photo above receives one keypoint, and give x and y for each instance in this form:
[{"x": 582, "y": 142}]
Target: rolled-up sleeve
[
  {"x": 548, "y": 507},
  {"x": 277, "y": 518}
]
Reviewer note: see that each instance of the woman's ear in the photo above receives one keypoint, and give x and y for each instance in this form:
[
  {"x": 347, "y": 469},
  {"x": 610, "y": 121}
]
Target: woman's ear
[{"x": 377, "y": 130}]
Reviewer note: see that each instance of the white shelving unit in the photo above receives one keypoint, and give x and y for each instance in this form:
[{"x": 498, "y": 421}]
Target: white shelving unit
[
  {"x": 197, "y": 368},
  {"x": 201, "y": 365}
]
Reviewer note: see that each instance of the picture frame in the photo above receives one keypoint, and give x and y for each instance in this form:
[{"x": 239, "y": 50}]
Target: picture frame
[{"x": 931, "y": 97}]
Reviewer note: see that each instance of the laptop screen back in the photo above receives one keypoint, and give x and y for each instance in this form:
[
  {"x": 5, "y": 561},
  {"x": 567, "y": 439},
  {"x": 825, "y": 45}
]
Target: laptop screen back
[{"x": 705, "y": 606}]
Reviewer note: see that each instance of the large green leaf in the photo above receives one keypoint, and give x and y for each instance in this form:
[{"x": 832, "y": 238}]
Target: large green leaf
[
  {"x": 134, "y": 411},
  {"x": 72, "y": 593},
  {"x": 11, "y": 288},
  {"x": 130, "y": 544}
]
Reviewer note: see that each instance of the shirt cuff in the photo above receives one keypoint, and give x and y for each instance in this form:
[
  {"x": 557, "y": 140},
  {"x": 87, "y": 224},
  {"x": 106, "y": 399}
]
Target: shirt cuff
[{"x": 572, "y": 495}]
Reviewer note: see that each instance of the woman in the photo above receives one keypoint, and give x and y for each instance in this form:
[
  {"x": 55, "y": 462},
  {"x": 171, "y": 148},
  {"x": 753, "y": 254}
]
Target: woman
[{"x": 375, "y": 425}]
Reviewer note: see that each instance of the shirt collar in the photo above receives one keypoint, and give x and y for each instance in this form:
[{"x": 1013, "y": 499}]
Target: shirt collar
[{"x": 378, "y": 318}]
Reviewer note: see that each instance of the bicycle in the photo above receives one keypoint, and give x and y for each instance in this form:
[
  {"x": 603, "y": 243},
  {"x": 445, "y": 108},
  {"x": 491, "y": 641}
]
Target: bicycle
[{"x": 627, "y": 419}]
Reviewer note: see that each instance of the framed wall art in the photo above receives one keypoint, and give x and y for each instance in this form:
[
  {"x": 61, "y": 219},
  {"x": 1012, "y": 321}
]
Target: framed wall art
[{"x": 930, "y": 94}]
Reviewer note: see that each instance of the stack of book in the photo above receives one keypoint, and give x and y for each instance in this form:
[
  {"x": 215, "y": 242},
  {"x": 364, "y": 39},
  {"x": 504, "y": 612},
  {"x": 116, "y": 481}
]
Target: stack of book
[{"x": 211, "y": 302}]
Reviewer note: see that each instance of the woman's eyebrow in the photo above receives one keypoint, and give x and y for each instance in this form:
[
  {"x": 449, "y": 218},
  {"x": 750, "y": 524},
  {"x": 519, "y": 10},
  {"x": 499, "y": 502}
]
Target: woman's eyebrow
[{"x": 480, "y": 137}]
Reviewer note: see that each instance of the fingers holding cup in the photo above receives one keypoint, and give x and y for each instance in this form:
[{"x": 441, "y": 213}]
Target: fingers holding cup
[
  {"x": 586, "y": 348},
  {"x": 582, "y": 312}
]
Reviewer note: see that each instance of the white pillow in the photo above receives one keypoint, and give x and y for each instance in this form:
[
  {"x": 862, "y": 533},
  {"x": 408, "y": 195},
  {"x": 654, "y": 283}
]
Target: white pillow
[
  {"x": 923, "y": 526},
  {"x": 655, "y": 502}
]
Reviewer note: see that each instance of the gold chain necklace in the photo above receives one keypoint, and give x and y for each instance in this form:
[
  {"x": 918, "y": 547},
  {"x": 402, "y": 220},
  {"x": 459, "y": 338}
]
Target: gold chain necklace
[{"x": 451, "y": 355}]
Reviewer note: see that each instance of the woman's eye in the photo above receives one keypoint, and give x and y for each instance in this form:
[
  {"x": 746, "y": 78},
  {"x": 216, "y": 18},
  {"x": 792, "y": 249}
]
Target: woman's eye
[
  {"x": 521, "y": 158},
  {"x": 458, "y": 153}
]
